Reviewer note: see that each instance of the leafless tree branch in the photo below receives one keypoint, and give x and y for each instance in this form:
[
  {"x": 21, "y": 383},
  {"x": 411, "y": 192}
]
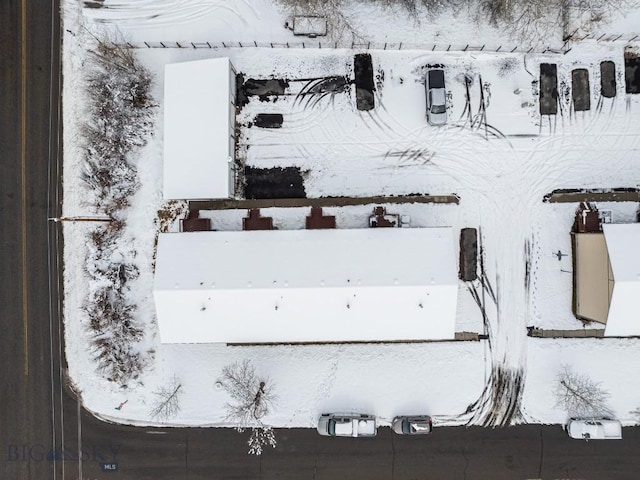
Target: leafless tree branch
[
  {"x": 581, "y": 396},
  {"x": 167, "y": 401}
]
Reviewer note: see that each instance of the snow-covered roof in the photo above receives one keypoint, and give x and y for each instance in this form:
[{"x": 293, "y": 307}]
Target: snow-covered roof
[
  {"x": 622, "y": 245},
  {"x": 371, "y": 284},
  {"x": 197, "y": 129}
]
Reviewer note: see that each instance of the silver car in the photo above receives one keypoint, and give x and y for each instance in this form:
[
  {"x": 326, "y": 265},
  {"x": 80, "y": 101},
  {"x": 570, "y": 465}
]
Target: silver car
[
  {"x": 436, "y": 97},
  {"x": 412, "y": 425}
]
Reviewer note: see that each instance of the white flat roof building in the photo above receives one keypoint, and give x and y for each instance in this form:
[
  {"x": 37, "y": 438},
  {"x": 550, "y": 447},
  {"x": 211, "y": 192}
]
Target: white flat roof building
[
  {"x": 623, "y": 241},
  {"x": 275, "y": 286},
  {"x": 199, "y": 123}
]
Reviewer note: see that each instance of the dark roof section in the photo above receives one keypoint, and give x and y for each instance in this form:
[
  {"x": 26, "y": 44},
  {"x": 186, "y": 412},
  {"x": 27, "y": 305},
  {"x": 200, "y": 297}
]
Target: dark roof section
[
  {"x": 254, "y": 221},
  {"x": 381, "y": 218},
  {"x": 195, "y": 224},
  {"x": 587, "y": 219},
  {"x": 316, "y": 220}
]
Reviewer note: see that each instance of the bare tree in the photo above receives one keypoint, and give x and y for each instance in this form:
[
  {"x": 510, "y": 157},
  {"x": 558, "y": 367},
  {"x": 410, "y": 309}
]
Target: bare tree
[
  {"x": 167, "y": 401},
  {"x": 252, "y": 399},
  {"x": 528, "y": 21},
  {"x": 581, "y": 396}
]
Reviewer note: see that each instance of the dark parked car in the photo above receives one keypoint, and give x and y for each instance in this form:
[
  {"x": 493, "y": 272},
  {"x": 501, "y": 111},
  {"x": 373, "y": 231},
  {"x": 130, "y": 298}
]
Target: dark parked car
[{"x": 412, "y": 425}]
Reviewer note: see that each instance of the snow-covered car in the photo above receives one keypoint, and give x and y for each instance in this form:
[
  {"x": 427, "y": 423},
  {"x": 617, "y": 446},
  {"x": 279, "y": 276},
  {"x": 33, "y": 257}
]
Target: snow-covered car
[
  {"x": 594, "y": 428},
  {"x": 347, "y": 425},
  {"x": 436, "y": 97},
  {"x": 412, "y": 425}
]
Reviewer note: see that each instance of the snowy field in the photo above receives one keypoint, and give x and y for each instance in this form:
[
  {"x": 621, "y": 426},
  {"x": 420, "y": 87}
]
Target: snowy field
[{"x": 500, "y": 164}]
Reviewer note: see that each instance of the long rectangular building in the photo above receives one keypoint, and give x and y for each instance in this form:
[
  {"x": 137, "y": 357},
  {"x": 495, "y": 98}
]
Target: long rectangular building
[{"x": 275, "y": 286}]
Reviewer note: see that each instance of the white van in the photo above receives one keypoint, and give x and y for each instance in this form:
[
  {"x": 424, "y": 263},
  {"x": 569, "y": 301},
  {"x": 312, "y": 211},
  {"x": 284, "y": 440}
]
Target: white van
[{"x": 594, "y": 428}]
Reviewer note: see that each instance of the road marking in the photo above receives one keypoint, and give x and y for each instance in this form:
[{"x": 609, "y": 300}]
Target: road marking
[{"x": 23, "y": 159}]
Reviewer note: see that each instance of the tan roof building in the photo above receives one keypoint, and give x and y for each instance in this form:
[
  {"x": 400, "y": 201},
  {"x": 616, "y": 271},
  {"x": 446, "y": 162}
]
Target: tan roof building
[{"x": 607, "y": 278}]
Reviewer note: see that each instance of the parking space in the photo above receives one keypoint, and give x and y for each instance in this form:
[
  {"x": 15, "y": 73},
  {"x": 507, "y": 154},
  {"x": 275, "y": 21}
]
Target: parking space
[
  {"x": 632, "y": 71},
  {"x": 608, "y": 79},
  {"x": 580, "y": 91},
  {"x": 548, "y": 89}
]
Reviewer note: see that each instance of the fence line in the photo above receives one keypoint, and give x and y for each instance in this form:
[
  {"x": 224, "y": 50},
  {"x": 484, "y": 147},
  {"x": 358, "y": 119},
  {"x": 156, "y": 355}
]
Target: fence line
[
  {"x": 354, "y": 46},
  {"x": 602, "y": 37}
]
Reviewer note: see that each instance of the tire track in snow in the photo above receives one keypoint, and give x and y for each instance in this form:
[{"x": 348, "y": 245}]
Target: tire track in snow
[
  {"x": 171, "y": 12},
  {"x": 483, "y": 175}
]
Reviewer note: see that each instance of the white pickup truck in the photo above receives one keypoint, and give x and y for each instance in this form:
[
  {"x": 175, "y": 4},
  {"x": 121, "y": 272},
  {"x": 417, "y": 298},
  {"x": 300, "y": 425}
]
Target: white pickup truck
[
  {"x": 347, "y": 425},
  {"x": 594, "y": 428}
]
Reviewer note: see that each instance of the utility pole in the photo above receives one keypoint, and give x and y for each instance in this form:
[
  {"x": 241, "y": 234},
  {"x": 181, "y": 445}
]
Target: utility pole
[{"x": 80, "y": 219}]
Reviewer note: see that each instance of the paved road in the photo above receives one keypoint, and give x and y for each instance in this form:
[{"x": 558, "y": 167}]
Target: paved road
[
  {"x": 526, "y": 452},
  {"x": 42, "y": 428},
  {"x": 26, "y": 400}
]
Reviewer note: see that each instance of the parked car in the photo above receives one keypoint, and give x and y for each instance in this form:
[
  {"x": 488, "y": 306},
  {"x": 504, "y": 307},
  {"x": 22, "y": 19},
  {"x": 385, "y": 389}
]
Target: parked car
[
  {"x": 436, "y": 97},
  {"x": 412, "y": 425},
  {"x": 347, "y": 425},
  {"x": 594, "y": 428}
]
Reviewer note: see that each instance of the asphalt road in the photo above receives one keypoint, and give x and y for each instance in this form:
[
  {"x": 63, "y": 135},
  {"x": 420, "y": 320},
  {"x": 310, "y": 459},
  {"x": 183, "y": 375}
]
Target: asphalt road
[
  {"x": 45, "y": 434},
  {"x": 524, "y": 452},
  {"x": 26, "y": 404}
]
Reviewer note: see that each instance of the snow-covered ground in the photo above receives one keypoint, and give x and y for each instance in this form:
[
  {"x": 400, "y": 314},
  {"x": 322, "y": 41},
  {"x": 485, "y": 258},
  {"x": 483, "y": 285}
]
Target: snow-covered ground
[{"x": 500, "y": 168}]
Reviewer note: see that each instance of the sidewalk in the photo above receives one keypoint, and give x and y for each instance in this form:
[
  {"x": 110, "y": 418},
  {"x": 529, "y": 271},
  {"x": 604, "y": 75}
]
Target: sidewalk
[
  {"x": 228, "y": 204},
  {"x": 593, "y": 195},
  {"x": 578, "y": 333}
]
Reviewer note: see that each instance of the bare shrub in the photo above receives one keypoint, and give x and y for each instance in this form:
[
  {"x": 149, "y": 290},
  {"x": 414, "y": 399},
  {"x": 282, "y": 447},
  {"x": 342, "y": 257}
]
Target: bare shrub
[
  {"x": 533, "y": 23},
  {"x": 507, "y": 66},
  {"x": 536, "y": 22},
  {"x": 112, "y": 324},
  {"x": 169, "y": 213},
  {"x": 121, "y": 114},
  {"x": 114, "y": 332}
]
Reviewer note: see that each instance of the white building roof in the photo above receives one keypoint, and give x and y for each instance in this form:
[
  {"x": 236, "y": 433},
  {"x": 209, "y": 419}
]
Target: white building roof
[
  {"x": 197, "y": 127},
  {"x": 372, "y": 284},
  {"x": 623, "y": 241}
]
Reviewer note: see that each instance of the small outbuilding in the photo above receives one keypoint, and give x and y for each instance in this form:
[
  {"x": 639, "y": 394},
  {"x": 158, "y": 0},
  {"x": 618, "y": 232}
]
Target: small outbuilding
[
  {"x": 199, "y": 126},
  {"x": 324, "y": 285},
  {"x": 607, "y": 278}
]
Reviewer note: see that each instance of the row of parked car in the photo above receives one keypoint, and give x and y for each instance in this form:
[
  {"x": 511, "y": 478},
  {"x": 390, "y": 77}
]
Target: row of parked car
[{"x": 362, "y": 425}]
